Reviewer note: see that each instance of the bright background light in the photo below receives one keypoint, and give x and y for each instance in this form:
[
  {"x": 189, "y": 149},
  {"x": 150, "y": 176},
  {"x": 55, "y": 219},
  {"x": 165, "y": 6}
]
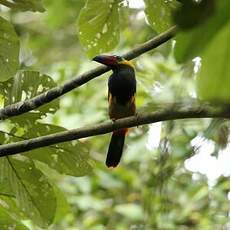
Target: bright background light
[
  {"x": 136, "y": 4},
  {"x": 202, "y": 162}
]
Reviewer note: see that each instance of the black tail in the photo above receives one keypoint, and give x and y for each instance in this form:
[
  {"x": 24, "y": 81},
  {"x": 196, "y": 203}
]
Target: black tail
[{"x": 115, "y": 149}]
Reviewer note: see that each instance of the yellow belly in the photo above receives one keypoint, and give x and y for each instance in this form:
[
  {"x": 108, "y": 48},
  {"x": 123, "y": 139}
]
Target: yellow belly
[{"x": 117, "y": 111}]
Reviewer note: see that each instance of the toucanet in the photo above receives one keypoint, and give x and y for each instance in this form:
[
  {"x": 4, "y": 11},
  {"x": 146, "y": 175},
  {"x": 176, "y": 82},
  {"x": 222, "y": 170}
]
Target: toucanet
[{"x": 121, "y": 98}]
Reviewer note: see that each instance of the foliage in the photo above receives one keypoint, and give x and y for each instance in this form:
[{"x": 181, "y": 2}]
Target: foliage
[
  {"x": 9, "y": 48},
  {"x": 24, "y": 5},
  {"x": 219, "y": 72},
  {"x": 188, "y": 47},
  {"x": 30, "y": 188},
  {"x": 97, "y": 26},
  {"x": 152, "y": 188},
  {"x": 162, "y": 10}
]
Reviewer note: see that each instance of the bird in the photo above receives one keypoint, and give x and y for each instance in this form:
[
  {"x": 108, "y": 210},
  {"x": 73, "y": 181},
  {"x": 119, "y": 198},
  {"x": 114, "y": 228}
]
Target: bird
[{"x": 121, "y": 100}]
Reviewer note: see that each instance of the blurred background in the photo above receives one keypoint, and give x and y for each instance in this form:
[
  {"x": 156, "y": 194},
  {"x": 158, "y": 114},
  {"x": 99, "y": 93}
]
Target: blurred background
[{"x": 174, "y": 174}]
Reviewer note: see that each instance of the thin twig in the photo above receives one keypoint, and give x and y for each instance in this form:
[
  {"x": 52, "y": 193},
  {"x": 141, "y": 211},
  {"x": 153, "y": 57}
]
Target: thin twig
[{"x": 46, "y": 97}]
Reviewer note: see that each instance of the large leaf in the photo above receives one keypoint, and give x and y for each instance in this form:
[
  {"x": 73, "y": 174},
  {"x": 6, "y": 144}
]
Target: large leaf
[
  {"x": 63, "y": 208},
  {"x": 99, "y": 26},
  {"x": 192, "y": 43},
  {"x": 26, "y": 85},
  {"x": 70, "y": 158},
  {"x": 159, "y": 13},
  {"x": 213, "y": 81},
  {"x": 9, "y": 50},
  {"x": 9, "y": 206},
  {"x": 33, "y": 193},
  {"x": 5, "y": 188},
  {"x": 32, "y": 5},
  {"x": 7, "y": 222}
]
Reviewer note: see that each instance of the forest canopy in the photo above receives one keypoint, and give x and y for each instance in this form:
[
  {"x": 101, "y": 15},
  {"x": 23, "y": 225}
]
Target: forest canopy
[{"x": 55, "y": 129}]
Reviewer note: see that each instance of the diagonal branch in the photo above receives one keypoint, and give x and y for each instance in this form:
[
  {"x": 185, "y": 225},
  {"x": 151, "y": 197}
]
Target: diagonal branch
[
  {"x": 46, "y": 97},
  {"x": 171, "y": 113}
]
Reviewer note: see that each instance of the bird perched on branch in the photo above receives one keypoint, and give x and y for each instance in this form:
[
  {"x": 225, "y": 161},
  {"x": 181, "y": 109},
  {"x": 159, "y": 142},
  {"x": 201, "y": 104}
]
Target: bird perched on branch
[{"x": 121, "y": 97}]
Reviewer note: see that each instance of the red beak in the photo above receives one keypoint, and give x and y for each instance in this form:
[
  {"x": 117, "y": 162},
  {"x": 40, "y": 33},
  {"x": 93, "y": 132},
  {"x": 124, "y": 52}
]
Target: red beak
[{"x": 106, "y": 59}]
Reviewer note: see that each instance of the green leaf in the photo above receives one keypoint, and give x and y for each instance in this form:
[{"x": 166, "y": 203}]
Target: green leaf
[
  {"x": 63, "y": 208},
  {"x": 5, "y": 189},
  {"x": 159, "y": 13},
  {"x": 9, "y": 50},
  {"x": 7, "y": 222},
  {"x": 192, "y": 43},
  {"x": 33, "y": 193},
  {"x": 71, "y": 158},
  {"x": 191, "y": 13},
  {"x": 213, "y": 80},
  {"x": 10, "y": 206},
  {"x": 25, "y": 5},
  {"x": 26, "y": 85},
  {"x": 98, "y": 26}
]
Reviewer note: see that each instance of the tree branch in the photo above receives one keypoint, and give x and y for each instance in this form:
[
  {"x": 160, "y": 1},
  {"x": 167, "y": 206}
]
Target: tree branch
[
  {"x": 46, "y": 97},
  {"x": 171, "y": 113}
]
